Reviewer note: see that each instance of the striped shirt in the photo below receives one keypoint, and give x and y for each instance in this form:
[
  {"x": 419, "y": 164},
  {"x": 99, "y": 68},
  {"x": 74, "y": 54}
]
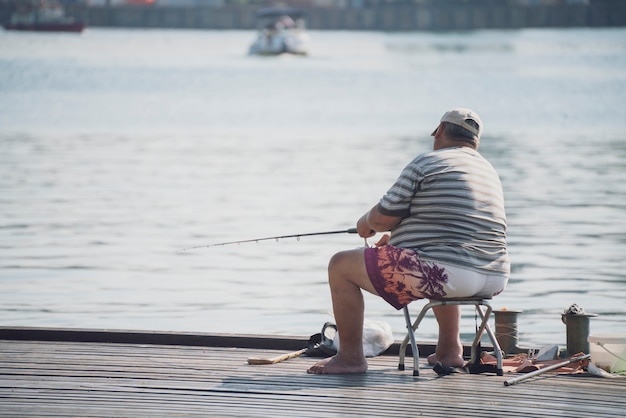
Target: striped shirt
[{"x": 452, "y": 206}]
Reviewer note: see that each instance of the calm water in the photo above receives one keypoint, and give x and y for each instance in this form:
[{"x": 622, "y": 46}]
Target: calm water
[{"x": 119, "y": 147}]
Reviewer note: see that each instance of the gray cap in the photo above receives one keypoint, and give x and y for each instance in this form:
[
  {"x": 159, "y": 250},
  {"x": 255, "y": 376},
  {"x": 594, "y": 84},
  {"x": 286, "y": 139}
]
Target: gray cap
[{"x": 459, "y": 116}]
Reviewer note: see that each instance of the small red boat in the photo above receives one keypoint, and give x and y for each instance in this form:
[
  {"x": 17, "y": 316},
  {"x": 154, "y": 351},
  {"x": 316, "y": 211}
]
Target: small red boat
[{"x": 43, "y": 16}]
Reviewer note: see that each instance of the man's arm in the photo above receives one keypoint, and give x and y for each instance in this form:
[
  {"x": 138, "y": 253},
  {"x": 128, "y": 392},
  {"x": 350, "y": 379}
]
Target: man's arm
[{"x": 374, "y": 221}]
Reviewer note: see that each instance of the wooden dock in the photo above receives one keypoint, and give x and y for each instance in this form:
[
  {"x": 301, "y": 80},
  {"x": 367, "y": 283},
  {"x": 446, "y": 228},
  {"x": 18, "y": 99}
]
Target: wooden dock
[{"x": 47, "y": 373}]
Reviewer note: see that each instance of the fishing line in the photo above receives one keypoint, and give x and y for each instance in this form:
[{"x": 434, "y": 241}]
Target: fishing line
[
  {"x": 344, "y": 231},
  {"x": 508, "y": 330}
]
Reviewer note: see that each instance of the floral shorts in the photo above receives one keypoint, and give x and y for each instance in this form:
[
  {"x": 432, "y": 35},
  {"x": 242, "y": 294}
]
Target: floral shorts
[{"x": 400, "y": 276}]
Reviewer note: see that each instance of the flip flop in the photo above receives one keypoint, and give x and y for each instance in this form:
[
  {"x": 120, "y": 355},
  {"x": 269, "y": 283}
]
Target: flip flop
[
  {"x": 443, "y": 370},
  {"x": 321, "y": 344}
]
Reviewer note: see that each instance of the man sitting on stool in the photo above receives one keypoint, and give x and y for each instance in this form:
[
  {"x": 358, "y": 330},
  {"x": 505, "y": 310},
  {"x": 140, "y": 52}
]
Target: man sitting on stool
[{"x": 448, "y": 240}]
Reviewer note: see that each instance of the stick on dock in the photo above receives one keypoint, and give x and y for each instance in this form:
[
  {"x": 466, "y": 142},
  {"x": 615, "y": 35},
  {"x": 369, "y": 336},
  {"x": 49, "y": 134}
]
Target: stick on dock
[
  {"x": 511, "y": 382},
  {"x": 274, "y": 360}
]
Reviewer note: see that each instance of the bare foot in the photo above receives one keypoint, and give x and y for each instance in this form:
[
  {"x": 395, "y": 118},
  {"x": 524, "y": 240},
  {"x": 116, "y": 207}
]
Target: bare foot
[
  {"x": 334, "y": 365},
  {"x": 432, "y": 359},
  {"x": 450, "y": 361}
]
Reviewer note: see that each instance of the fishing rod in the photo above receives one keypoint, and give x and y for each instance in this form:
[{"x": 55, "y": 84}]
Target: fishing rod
[{"x": 344, "y": 231}]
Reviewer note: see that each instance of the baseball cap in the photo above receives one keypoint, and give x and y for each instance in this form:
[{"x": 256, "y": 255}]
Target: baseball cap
[{"x": 459, "y": 116}]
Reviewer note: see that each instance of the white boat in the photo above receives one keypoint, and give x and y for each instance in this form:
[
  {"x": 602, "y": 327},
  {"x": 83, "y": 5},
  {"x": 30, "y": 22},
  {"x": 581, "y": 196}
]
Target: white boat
[{"x": 280, "y": 31}]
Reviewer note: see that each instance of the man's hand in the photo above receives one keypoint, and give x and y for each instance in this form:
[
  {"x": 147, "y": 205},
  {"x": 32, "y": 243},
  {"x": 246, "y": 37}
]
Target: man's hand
[
  {"x": 363, "y": 229},
  {"x": 384, "y": 240}
]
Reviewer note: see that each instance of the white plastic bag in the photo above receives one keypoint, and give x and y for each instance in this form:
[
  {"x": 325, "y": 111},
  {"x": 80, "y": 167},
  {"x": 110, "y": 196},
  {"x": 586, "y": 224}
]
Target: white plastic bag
[{"x": 377, "y": 337}]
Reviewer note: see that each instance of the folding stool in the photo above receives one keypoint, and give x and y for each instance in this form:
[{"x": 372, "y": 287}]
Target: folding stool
[{"x": 478, "y": 303}]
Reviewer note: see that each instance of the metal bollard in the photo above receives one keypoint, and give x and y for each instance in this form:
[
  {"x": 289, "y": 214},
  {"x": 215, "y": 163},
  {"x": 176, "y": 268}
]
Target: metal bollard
[
  {"x": 506, "y": 330},
  {"x": 576, "y": 321}
]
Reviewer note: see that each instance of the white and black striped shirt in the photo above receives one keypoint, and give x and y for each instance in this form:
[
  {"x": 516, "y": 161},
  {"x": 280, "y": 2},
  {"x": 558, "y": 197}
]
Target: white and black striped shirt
[{"x": 452, "y": 205}]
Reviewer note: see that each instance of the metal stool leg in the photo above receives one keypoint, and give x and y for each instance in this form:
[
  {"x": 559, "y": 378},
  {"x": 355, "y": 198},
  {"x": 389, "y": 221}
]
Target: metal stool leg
[
  {"x": 414, "y": 349},
  {"x": 405, "y": 342},
  {"x": 411, "y": 328},
  {"x": 479, "y": 333},
  {"x": 494, "y": 341}
]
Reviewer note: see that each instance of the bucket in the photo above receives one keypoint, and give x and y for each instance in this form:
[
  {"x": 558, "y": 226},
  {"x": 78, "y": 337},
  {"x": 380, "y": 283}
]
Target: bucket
[{"x": 608, "y": 351}]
